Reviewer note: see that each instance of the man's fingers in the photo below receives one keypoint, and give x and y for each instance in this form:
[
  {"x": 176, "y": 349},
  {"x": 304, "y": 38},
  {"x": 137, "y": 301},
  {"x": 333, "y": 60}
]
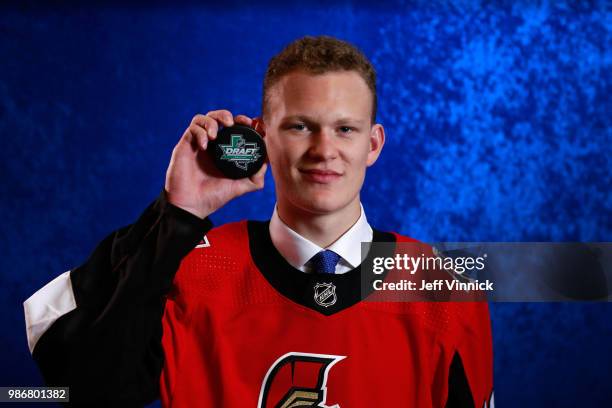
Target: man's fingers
[
  {"x": 209, "y": 124},
  {"x": 243, "y": 120},
  {"x": 253, "y": 183},
  {"x": 200, "y": 135},
  {"x": 257, "y": 179},
  {"x": 224, "y": 116},
  {"x": 199, "y": 119},
  {"x": 205, "y": 127}
]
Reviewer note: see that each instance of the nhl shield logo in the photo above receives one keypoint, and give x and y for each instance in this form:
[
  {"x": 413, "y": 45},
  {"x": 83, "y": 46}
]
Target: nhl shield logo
[{"x": 325, "y": 294}]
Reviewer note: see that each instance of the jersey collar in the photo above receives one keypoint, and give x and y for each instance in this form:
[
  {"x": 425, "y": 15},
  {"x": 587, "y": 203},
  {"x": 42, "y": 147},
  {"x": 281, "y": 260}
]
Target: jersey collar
[
  {"x": 298, "y": 250},
  {"x": 302, "y": 288}
]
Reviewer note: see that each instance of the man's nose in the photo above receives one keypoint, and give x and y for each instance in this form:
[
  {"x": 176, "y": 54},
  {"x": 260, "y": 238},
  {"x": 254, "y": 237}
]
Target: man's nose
[{"x": 323, "y": 145}]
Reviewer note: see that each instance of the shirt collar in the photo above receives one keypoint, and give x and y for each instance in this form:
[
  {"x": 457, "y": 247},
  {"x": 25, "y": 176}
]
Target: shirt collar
[{"x": 298, "y": 250}]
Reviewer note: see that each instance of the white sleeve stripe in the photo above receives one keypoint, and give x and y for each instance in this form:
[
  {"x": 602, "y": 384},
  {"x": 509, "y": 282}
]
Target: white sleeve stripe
[
  {"x": 48, "y": 304},
  {"x": 491, "y": 402}
]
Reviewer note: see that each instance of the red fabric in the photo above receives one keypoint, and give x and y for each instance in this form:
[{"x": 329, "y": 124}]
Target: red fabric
[{"x": 225, "y": 326}]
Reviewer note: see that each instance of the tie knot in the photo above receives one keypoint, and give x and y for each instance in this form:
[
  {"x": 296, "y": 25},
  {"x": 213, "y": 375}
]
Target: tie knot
[{"x": 325, "y": 261}]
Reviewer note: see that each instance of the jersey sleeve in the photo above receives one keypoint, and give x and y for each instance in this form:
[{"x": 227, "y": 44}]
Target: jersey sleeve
[{"x": 107, "y": 347}]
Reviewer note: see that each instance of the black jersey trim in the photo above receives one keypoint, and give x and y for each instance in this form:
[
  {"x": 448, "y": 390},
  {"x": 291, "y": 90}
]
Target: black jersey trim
[
  {"x": 299, "y": 286},
  {"x": 459, "y": 393}
]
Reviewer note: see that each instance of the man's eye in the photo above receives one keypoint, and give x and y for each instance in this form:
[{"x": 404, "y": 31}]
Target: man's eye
[
  {"x": 346, "y": 129},
  {"x": 298, "y": 126}
]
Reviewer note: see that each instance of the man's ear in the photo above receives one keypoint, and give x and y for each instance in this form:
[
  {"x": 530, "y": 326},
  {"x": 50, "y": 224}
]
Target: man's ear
[
  {"x": 259, "y": 126},
  {"x": 377, "y": 140}
]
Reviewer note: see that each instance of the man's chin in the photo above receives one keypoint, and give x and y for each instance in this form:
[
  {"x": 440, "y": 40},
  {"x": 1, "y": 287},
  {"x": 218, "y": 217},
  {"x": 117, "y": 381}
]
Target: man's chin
[{"x": 321, "y": 205}]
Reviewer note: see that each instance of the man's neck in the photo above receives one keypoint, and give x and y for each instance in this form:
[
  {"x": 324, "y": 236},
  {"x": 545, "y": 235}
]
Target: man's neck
[{"x": 321, "y": 229}]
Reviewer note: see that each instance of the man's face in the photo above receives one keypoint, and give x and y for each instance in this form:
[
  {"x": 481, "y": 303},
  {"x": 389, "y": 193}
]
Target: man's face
[{"x": 320, "y": 139}]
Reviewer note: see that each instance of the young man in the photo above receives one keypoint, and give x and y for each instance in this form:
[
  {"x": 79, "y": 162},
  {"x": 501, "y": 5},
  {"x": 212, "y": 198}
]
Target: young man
[{"x": 239, "y": 319}]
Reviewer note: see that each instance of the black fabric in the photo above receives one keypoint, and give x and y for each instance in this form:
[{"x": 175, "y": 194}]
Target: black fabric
[
  {"x": 108, "y": 349},
  {"x": 459, "y": 393},
  {"x": 299, "y": 286}
]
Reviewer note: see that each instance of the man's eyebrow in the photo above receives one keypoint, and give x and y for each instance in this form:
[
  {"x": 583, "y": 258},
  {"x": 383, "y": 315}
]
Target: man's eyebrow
[
  {"x": 302, "y": 118},
  {"x": 350, "y": 120},
  {"x": 307, "y": 119}
]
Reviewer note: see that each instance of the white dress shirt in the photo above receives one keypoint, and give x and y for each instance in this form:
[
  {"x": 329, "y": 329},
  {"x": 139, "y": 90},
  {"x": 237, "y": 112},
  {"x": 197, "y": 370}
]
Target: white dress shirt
[{"x": 298, "y": 250}]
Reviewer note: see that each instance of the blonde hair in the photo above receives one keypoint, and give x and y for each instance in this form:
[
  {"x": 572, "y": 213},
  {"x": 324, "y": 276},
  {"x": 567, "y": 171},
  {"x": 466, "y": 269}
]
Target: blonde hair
[{"x": 318, "y": 55}]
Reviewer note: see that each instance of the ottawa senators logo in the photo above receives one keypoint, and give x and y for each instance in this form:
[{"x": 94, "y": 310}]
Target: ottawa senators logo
[{"x": 297, "y": 380}]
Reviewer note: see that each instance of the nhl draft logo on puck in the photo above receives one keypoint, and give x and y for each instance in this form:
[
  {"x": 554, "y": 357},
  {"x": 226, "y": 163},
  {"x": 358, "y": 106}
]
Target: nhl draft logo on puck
[{"x": 239, "y": 151}]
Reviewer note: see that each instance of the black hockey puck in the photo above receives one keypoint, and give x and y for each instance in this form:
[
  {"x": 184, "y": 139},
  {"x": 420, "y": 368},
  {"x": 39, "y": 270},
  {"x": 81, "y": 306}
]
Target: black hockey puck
[{"x": 238, "y": 151}]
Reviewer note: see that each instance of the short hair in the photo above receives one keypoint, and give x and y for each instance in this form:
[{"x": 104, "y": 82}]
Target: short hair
[{"x": 319, "y": 55}]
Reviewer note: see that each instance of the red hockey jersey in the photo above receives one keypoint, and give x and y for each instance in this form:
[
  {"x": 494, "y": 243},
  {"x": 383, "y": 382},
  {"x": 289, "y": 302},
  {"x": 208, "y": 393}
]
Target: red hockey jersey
[{"x": 243, "y": 328}]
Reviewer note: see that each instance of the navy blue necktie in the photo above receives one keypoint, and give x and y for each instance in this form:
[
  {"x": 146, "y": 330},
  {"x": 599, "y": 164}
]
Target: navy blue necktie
[{"x": 325, "y": 261}]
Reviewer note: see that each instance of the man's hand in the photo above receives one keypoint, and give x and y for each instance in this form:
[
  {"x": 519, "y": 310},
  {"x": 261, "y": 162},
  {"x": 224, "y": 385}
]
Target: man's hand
[{"x": 193, "y": 183}]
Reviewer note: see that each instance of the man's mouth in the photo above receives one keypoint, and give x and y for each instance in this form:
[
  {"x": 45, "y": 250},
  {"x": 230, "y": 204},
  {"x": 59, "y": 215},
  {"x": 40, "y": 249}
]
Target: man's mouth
[{"x": 321, "y": 176}]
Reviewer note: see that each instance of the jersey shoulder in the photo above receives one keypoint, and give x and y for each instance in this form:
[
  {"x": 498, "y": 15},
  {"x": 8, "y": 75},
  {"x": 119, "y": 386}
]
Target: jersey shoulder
[
  {"x": 220, "y": 269},
  {"x": 445, "y": 319}
]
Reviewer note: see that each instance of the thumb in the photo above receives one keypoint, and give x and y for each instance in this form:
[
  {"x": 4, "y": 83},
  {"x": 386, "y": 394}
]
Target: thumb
[{"x": 253, "y": 183}]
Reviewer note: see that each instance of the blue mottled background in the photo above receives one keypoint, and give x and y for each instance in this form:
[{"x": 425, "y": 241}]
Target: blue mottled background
[{"x": 498, "y": 120}]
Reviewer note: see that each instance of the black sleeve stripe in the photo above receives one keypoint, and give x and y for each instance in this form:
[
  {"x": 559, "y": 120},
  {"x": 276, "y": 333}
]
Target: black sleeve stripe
[{"x": 459, "y": 393}]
